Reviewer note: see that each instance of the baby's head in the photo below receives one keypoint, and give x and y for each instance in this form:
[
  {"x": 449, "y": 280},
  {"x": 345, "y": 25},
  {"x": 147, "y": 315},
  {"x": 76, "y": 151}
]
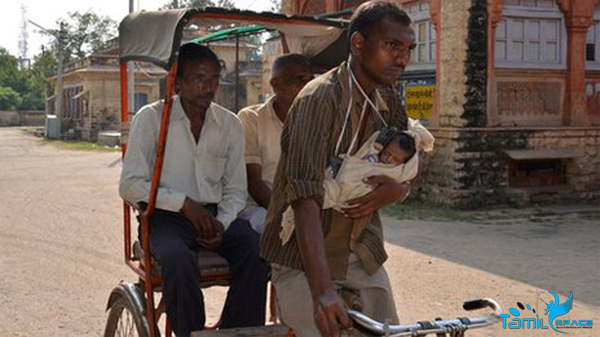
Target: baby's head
[{"x": 399, "y": 149}]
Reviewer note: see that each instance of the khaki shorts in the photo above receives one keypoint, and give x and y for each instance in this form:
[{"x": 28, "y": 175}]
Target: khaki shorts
[{"x": 373, "y": 293}]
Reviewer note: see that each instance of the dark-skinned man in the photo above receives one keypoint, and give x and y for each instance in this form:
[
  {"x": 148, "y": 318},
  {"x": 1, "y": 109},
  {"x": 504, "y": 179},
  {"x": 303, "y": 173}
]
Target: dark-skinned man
[
  {"x": 202, "y": 189},
  {"x": 331, "y": 250},
  {"x": 262, "y": 126}
]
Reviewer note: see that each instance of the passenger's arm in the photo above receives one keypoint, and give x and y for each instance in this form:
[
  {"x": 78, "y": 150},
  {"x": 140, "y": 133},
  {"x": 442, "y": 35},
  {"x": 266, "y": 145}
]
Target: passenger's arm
[
  {"x": 257, "y": 187},
  {"x": 138, "y": 164},
  {"x": 234, "y": 178}
]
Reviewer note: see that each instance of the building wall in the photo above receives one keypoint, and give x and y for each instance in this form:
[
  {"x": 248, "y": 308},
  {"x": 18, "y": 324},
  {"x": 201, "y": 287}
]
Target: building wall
[
  {"x": 484, "y": 108},
  {"x": 227, "y": 54},
  {"x": 101, "y": 108},
  {"x": 469, "y": 168},
  {"x": 254, "y": 89},
  {"x": 9, "y": 118}
]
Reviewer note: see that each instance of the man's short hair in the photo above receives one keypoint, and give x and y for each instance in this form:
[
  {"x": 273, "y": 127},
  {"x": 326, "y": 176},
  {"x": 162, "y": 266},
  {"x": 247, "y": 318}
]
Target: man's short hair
[
  {"x": 283, "y": 61},
  {"x": 368, "y": 14},
  {"x": 195, "y": 53}
]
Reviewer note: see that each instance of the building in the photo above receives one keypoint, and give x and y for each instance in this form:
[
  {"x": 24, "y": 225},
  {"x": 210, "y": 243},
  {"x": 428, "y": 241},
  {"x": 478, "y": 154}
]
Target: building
[
  {"x": 91, "y": 100},
  {"x": 510, "y": 89},
  {"x": 250, "y": 75}
]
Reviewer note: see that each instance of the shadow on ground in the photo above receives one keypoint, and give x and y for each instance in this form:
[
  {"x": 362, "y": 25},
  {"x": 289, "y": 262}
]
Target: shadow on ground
[{"x": 560, "y": 253}]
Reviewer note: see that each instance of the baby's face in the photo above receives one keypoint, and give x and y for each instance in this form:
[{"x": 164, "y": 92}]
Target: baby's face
[{"x": 393, "y": 154}]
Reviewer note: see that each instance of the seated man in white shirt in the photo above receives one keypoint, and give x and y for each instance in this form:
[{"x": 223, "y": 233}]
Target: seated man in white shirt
[
  {"x": 262, "y": 125},
  {"x": 202, "y": 189}
]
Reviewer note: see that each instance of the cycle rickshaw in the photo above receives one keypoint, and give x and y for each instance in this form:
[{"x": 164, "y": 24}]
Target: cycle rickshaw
[{"x": 155, "y": 37}]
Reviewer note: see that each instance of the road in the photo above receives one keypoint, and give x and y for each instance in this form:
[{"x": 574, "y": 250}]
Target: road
[{"x": 61, "y": 251}]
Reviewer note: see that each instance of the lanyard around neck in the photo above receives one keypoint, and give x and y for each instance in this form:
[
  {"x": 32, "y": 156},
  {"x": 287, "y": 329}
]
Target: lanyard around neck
[{"x": 351, "y": 80}]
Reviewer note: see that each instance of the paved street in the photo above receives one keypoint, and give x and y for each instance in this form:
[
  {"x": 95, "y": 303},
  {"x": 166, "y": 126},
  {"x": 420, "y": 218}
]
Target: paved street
[{"x": 61, "y": 251}]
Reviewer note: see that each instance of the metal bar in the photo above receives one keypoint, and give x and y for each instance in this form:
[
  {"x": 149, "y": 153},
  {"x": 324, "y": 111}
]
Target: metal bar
[
  {"x": 148, "y": 276},
  {"x": 237, "y": 74},
  {"x": 284, "y": 44},
  {"x": 160, "y": 153},
  {"x": 305, "y": 21},
  {"x": 162, "y": 139},
  {"x": 125, "y": 119}
]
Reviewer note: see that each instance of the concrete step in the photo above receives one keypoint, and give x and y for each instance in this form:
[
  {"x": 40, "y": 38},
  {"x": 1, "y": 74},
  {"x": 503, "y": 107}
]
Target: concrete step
[{"x": 109, "y": 138}]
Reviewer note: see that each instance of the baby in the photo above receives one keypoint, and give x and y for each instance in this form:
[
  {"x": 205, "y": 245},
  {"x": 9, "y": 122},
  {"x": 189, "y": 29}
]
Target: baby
[
  {"x": 389, "y": 152},
  {"x": 395, "y": 149}
]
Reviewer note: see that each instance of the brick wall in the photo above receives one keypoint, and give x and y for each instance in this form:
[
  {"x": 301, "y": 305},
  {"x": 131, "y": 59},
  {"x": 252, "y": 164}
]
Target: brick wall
[{"x": 469, "y": 169}]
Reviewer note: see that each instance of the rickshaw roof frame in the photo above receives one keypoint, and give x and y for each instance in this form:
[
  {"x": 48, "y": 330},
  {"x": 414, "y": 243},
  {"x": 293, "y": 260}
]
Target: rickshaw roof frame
[
  {"x": 230, "y": 33},
  {"x": 184, "y": 16}
]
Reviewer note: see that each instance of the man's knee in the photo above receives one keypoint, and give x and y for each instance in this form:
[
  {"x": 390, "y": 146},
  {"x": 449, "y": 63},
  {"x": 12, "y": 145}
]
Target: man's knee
[
  {"x": 246, "y": 238},
  {"x": 175, "y": 255}
]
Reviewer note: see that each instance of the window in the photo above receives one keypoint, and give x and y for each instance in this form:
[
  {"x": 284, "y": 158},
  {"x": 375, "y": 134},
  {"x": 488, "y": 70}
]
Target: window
[
  {"x": 72, "y": 105},
  {"x": 531, "y": 33},
  {"x": 425, "y": 41},
  {"x": 140, "y": 100},
  {"x": 425, "y": 51},
  {"x": 592, "y": 44},
  {"x": 530, "y": 3}
]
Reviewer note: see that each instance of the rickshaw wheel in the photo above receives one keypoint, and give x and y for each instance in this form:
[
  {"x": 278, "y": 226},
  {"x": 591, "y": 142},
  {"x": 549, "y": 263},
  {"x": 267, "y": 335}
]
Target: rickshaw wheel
[{"x": 126, "y": 318}]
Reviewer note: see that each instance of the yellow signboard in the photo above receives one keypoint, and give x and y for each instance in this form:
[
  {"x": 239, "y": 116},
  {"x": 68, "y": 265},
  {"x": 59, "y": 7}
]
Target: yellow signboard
[{"x": 419, "y": 101}]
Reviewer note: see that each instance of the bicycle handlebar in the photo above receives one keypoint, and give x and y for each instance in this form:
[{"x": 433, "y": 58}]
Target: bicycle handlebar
[{"x": 455, "y": 326}]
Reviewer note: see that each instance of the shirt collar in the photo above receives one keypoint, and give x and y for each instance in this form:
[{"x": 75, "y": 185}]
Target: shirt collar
[
  {"x": 270, "y": 106},
  {"x": 344, "y": 77},
  {"x": 177, "y": 112}
]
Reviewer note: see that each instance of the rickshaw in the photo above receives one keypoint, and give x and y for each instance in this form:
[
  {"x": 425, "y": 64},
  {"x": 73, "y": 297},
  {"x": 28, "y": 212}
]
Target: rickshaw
[{"x": 155, "y": 37}]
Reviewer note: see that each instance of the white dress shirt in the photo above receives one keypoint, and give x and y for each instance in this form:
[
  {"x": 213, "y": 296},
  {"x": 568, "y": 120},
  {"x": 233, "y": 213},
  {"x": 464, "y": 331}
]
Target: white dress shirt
[
  {"x": 263, "y": 133},
  {"x": 210, "y": 171}
]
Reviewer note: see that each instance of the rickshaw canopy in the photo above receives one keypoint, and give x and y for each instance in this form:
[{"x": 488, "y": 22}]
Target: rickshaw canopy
[{"x": 155, "y": 36}]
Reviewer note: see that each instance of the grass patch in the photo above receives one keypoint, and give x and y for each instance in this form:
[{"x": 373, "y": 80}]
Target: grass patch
[
  {"x": 418, "y": 210},
  {"x": 79, "y": 146}
]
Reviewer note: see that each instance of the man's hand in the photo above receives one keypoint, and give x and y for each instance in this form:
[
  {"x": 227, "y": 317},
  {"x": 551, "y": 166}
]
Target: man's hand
[
  {"x": 330, "y": 314},
  {"x": 211, "y": 244},
  {"x": 205, "y": 223},
  {"x": 386, "y": 191}
]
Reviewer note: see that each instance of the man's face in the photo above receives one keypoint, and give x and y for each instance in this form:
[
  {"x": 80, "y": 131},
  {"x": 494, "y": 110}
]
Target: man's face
[
  {"x": 290, "y": 81},
  {"x": 198, "y": 84},
  {"x": 386, "y": 50}
]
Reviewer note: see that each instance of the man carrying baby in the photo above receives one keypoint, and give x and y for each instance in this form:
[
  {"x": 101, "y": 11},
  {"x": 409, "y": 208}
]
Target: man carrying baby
[{"x": 331, "y": 250}]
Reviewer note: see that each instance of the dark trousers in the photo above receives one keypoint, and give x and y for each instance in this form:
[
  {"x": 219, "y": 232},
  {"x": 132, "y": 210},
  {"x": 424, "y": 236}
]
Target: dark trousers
[{"x": 173, "y": 243}]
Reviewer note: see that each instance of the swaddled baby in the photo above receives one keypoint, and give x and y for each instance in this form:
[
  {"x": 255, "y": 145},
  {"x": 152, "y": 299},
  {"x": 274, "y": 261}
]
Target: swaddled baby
[{"x": 389, "y": 152}]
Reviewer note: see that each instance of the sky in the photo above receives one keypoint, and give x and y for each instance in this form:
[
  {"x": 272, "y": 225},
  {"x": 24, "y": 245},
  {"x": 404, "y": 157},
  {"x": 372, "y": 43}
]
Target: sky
[{"x": 46, "y": 12}]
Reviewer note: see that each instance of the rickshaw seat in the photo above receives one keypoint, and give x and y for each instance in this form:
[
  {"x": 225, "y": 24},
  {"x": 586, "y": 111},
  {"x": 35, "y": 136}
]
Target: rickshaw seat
[{"x": 214, "y": 269}]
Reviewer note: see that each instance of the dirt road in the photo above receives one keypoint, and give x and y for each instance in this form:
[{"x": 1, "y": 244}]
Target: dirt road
[{"x": 61, "y": 251}]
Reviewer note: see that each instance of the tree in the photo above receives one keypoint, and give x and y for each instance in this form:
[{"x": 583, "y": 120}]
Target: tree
[
  {"x": 84, "y": 33},
  {"x": 23, "y": 89},
  {"x": 9, "y": 99}
]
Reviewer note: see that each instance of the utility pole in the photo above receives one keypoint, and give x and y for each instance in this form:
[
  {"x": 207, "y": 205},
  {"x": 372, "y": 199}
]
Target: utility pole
[
  {"x": 130, "y": 78},
  {"x": 59, "y": 72},
  {"x": 60, "y": 39}
]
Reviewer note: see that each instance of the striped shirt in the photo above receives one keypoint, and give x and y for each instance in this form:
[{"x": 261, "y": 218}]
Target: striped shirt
[{"x": 312, "y": 127}]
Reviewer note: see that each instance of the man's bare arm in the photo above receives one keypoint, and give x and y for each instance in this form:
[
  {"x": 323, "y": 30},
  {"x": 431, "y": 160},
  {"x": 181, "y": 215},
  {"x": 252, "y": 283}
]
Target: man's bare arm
[
  {"x": 330, "y": 313},
  {"x": 258, "y": 189}
]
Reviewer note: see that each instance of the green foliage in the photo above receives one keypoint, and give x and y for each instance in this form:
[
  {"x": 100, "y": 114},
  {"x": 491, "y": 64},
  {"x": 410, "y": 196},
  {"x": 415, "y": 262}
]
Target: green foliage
[
  {"x": 9, "y": 99},
  {"x": 26, "y": 85},
  {"x": 83, "y": 34}
]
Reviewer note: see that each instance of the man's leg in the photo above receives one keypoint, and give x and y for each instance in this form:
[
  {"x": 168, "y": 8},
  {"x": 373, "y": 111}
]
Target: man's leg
[
  {"x": 375, "y": 291},
  {"x": 173, "y": 243},
  {"x": 294, "y": 300},
  {"x": 247, "y": 296}
]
